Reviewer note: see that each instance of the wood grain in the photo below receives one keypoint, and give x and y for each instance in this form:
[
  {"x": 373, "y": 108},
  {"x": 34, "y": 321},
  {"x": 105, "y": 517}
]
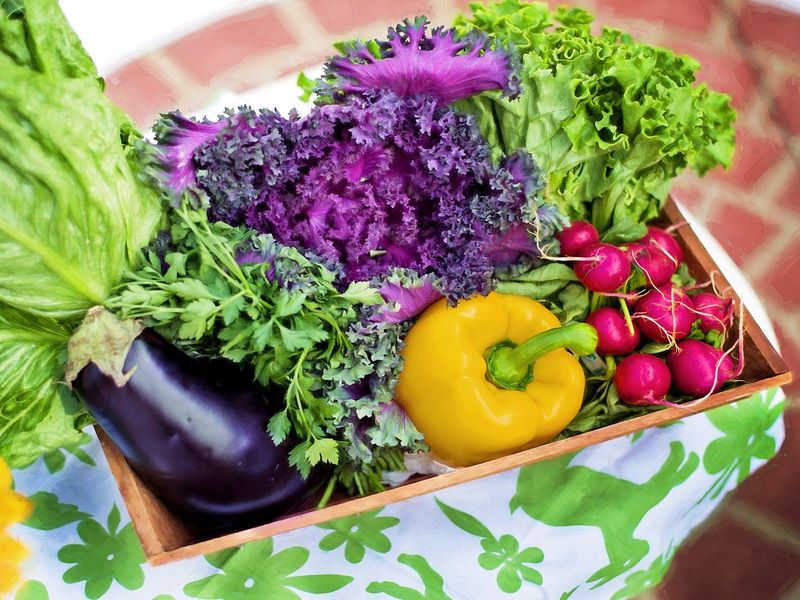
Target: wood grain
[{"x": 166, "y": 538}]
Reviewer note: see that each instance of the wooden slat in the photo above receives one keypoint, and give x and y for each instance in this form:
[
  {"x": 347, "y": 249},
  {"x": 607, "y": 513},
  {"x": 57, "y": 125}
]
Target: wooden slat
[
  {"x": 158, "y": 528},
  {"x": 165, "y": 538}
]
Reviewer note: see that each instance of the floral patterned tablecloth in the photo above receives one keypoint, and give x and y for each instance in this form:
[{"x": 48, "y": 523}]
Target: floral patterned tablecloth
[{"x": 602, "y": 523}]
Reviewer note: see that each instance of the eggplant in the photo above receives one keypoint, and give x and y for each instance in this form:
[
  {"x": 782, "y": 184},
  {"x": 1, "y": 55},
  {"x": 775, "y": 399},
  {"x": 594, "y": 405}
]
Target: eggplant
[{"x": 196, "y": 436}]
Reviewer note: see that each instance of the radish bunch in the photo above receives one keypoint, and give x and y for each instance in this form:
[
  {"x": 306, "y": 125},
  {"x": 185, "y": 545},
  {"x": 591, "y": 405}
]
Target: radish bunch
[{"x": 656, "y": 317}]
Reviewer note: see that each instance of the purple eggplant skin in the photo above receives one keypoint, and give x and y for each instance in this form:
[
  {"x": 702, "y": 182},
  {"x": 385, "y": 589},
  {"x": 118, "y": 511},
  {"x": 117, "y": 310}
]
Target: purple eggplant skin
[{"x": 196, "y": 437}]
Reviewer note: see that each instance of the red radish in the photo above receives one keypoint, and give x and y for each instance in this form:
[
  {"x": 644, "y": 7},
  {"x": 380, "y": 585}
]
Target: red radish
[
  {"x": 642, "y": 379},
  {"x": 607, "y": 272},
  {"x": 699, "y": 369},
  {"x": 578, "y": 235},
  {"x": 665, "y": 242},
  {"x": 657, "y": 267},
  {"x": 665, "y": 314},
  {"x": 613, "y": 336},
  {"x": 715, "y": 313}
]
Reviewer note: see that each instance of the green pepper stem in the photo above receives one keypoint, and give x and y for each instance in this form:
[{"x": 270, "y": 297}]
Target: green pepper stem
[{"x": 511, "y": 367}]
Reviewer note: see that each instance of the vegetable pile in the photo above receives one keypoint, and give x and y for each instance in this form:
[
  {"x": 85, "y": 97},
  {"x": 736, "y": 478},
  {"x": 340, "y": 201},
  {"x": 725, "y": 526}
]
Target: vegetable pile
[{"x": 407, "y": 268}]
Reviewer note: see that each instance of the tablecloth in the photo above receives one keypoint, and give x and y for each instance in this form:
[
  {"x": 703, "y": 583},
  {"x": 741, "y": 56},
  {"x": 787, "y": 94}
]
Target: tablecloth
[{"x": 602, "y": 523}]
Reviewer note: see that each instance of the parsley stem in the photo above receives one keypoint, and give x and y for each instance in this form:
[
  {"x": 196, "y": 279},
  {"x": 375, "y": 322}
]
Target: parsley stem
[{"x": 328, "y": 492}]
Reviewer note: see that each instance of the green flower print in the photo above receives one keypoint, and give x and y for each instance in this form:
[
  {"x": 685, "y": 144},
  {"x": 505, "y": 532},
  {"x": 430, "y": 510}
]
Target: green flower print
[
  {"x": 357, "y": 532},
  {"x": 50, "y": 513},
  {"x": 499, "y": 553},
  {"x": 745, "y": 425},
  {"x": 104, "y": 557},
  {"x": 55, "y": 460},
  {"x": 433, "y": 582},
  {"x": 504, "y": 553},
  {"x": 253, "y": 572},
  {"x": 641, "y": 581}
]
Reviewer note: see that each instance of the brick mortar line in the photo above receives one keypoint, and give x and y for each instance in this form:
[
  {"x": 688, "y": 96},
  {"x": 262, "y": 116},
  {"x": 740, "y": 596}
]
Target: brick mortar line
[
  {"x": 179, "y": 79},
  {"x": 759, "y": 263},
  {"x": 770, "y": 185},
  {"x": 790, "y": 325},
  {"x": 769, "y": 526},
  {"x": 301, "y": 21},
  {"x": 760, "y": 83},
  {"x": 445, "y": 10},
  {"x": 794, "y": 147},
  {"x": 271, "y": 64},
  {"x": 262, "y": 69},
  {"x": 779, "y": 65}
]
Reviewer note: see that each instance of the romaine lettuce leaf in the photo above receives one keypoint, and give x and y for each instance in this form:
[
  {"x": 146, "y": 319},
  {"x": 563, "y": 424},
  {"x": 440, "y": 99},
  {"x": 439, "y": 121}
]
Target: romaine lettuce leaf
[
  {"x": 75, "y": 208},
  {"x": 37, "y": 412},
  {"x": 72, "y": 208}
]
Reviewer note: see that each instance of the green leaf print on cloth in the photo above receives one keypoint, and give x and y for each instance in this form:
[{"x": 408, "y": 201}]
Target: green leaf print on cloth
[
  {"x": 641, "y": 581},
  {"x": 32, "y": 590},
  {"x": 433, "y": 582},
  {"x": 615, "y": 506},
  {"x": 499, "y": 553},
  {"x": 745, "y": 425},
  {"x": 253, "y": 572},
  {"x": 357, "y": 532},
  {"x": 106, "y": 555},
  {"x": 55, "y": 460},
  {"x": 50, "y": 513}
]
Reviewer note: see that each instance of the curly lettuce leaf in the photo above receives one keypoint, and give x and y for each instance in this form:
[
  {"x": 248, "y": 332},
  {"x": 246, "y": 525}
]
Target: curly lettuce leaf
[{"x": 610, "y": 122}]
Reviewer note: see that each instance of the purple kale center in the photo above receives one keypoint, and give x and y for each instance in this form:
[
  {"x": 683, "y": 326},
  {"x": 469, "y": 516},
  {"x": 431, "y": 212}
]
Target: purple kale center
[{"x": 370, "y": 184}]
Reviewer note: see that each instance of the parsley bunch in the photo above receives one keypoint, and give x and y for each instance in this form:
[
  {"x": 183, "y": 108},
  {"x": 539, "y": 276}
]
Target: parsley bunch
[{"x": 227, "y": 292}]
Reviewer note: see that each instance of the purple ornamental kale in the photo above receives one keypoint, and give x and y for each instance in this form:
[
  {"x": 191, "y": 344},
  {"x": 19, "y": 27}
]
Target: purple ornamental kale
[
  {"x": 178, "y": 138},
  {"x": 382, "y": 182},
  {"x": 441, "y": 65},
  {"x": 373, "y": 183},
  {"x": 503, "y": 212},
  {"x": 251, "y": 153},
  {"x": 387, "y": 177},
  {"x": 406, "y": 295}
]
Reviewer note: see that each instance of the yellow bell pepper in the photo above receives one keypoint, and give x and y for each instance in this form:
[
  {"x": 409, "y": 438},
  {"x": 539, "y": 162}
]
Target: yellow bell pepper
[{"x": 491, "y": 376}]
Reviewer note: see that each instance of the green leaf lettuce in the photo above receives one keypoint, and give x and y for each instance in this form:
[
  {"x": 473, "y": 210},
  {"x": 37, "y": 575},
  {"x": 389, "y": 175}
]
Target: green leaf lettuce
[{"x": 609, "y": 121}]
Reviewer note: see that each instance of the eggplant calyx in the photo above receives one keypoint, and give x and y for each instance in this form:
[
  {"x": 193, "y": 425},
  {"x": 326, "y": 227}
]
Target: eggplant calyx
[{"x": 102, "y": 339}]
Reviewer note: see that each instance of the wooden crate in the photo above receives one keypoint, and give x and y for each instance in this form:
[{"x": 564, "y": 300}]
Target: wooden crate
[{"x": 165, "y": 538}]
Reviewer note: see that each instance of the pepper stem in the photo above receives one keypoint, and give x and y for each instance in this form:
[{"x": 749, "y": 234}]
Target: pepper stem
[{"x": 510, "y": 366}]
